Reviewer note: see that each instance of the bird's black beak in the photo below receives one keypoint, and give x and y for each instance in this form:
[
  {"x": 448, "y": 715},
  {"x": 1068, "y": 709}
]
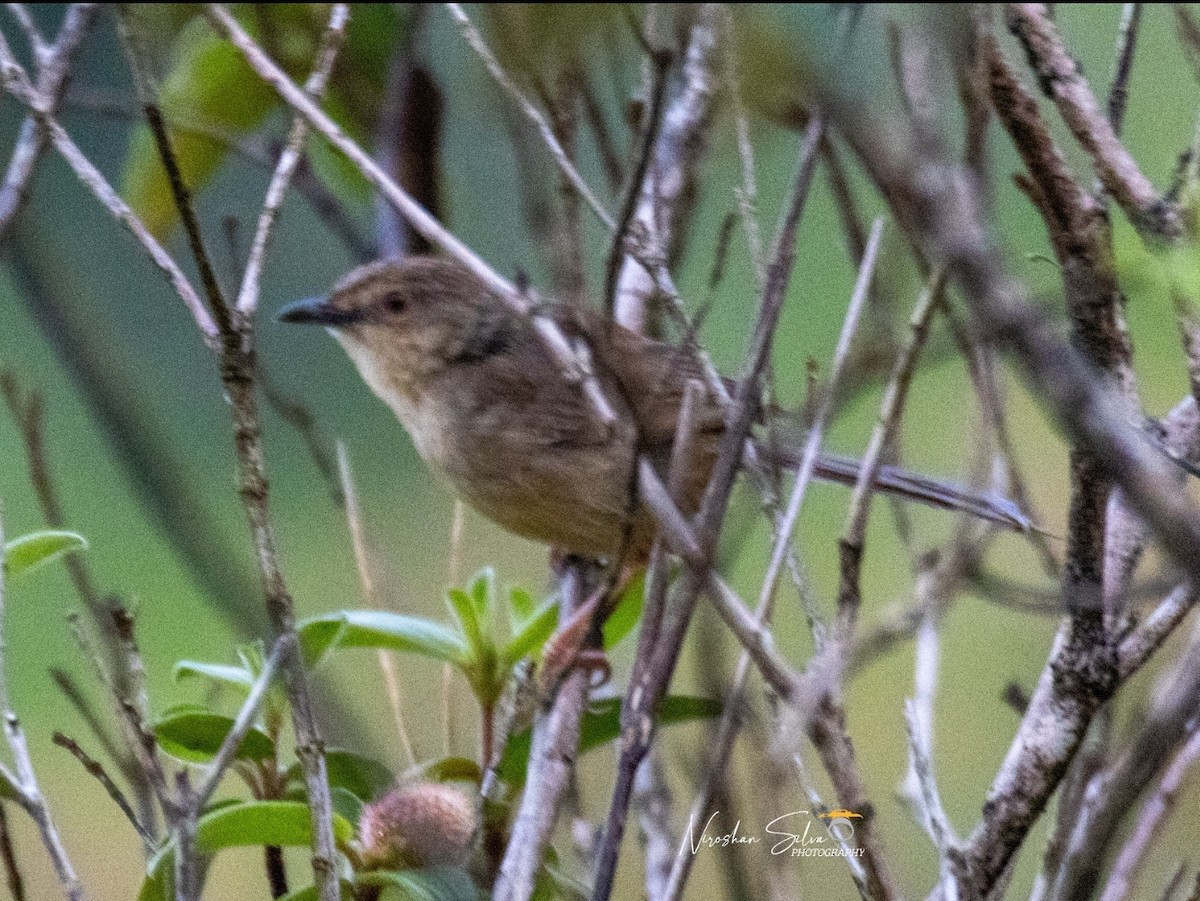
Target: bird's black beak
[{"x": 315, "y": 311}]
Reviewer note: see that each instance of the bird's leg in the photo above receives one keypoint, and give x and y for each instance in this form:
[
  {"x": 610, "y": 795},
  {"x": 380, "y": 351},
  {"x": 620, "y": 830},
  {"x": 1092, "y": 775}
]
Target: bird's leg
[
  {"x": 579, "y": 641},
  {"x": 573, "y": 645}
]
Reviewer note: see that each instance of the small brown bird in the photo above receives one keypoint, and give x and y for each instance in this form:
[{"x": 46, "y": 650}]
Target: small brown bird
[{"x": 486, "y": 404}]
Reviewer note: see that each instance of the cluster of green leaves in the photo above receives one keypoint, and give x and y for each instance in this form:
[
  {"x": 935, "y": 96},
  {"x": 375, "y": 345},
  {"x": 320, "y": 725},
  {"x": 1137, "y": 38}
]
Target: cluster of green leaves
[{"x": 276, "y": 814}]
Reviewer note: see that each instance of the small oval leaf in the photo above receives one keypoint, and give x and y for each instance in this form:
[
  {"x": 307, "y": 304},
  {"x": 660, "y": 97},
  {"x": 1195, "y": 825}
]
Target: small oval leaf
[
  {"x": 39, "y": 548},
  {"x": 362, "y": 776},
  {"x": 284, "y": 824},
  {"x": 433, "y": 884},
  {"x": 221, "y": 673},
  {"x": 196, "y": 736},
  {"x": 529, "y": 635},
  {"x": 380, "y": 629}
]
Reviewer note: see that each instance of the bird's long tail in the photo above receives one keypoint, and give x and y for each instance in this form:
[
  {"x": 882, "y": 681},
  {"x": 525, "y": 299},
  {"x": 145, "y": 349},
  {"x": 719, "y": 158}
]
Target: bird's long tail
[{"x": 910, "y": 486}]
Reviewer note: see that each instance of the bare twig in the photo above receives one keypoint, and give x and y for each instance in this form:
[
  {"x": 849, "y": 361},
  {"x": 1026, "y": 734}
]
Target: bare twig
[
  {"x": 666, "y": 195},
  {"x": 54, "y": 67},
  {"x": 652, "y": 800},
  {"x": 16, "y": 82},
  {"x": 241, "y": 726},
  {"x": 96, "y": 770},
  {"x": 918, "y": 716},
  {"x": 1061, "y": 81},
  {"x": 33, "y": 34},
  {"x": 289, "y": 159},
  {"x": 641, "y": 184},
  {"x": 1154, "y": 815},
  {"x": 730, "y": 720},
  {"x": 1143, "y": 641},
  {"x": 147, "y": 95},
  {"x": 12, "y": 870},
  {"x": 24, "y": 782},
  {"x": 106, "y": 614},
  {"x": 1118, "y": 91},
  {"x": 560, "y": 156},
  {"x": 363, "y": 564}
]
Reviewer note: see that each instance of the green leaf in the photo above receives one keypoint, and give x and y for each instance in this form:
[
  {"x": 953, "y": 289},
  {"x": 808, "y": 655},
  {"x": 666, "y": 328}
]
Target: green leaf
[
  {"x": 521, "y": 606},
  {"x": 482, "y": 589},
  {"x": 464, "y": 610},
  {"x": 285, "y": 824},
  {"x": 432, "y": 884},
  {"x": 451, "y": 769},
  {"x": 221, "y": 673},
  {"x": 309, "y": 893},
  {"x": 530, "y": 634},
  {"x": 602, "y": 724},
  {"x": 39, "y": 548},
  {"x": 253, "y": 657},
  {"x": 346, "y": 804},
  {"x": 210, "y": 92},
  {"x": 626, "y": 613},
  {"x": 380, "y": 629},
  {"x": 196, "y": 736},
  {"x": 364, "y": 777}
]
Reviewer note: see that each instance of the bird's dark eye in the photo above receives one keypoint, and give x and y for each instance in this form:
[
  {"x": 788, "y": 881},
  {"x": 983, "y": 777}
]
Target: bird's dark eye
[{"x": 394, "y": 302}]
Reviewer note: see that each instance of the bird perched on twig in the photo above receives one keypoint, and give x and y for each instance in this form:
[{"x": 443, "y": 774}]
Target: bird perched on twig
[{"x": 486, "y": 404}]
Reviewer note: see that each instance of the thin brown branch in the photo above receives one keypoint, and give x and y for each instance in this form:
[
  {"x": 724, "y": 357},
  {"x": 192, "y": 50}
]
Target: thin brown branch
[
  {"x": 642, "y": 179},
  {"x": 74, "y": 695},
  {"x": 559, "y": 155},
  {"x": 722, "y": 744},
  {"x": 1118, "y": 91},
  {"x": 1061, "y": 80},
  {"x": 96, "y": 770},
  {"x": 667, "y": 194},
  {"x": 1155, "y": 813},
  {"x": 289, "y": 159},
  {"x": 644, "y": 696},
  {"x": 1113, "y": 790},
  {"x": 12, "y": 870},
  {"x": 17, "y": 83},
  {"x": 147, "y": 95}
]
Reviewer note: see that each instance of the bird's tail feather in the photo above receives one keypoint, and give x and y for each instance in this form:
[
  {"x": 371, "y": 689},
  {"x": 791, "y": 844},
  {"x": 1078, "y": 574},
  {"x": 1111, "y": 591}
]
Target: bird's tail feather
[{"x": 913, "y": 487}]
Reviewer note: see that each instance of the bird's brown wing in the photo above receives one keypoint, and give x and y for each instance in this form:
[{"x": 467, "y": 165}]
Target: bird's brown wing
[{"x": 650, "y": 378}]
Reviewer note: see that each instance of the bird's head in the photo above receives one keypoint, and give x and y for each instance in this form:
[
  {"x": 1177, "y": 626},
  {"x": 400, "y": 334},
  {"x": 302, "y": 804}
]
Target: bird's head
[{"x": 402, "y": 322}]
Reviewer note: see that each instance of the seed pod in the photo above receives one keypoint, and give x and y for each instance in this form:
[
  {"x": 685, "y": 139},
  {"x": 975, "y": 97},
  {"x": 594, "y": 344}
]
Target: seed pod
[{"x": 419, "y": 824}]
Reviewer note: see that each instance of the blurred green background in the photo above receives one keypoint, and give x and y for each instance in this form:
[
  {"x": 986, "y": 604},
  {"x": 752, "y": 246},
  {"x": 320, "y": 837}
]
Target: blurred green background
[{"x": 156, "y": 373}]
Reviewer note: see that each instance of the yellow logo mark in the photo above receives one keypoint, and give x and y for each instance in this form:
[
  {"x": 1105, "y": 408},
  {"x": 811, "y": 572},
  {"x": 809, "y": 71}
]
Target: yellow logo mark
[{"x": 840, "y": 814}]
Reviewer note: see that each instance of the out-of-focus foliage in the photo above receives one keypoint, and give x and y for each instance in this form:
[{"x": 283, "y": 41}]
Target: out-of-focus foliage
[{"x": 211, "y": 98}]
